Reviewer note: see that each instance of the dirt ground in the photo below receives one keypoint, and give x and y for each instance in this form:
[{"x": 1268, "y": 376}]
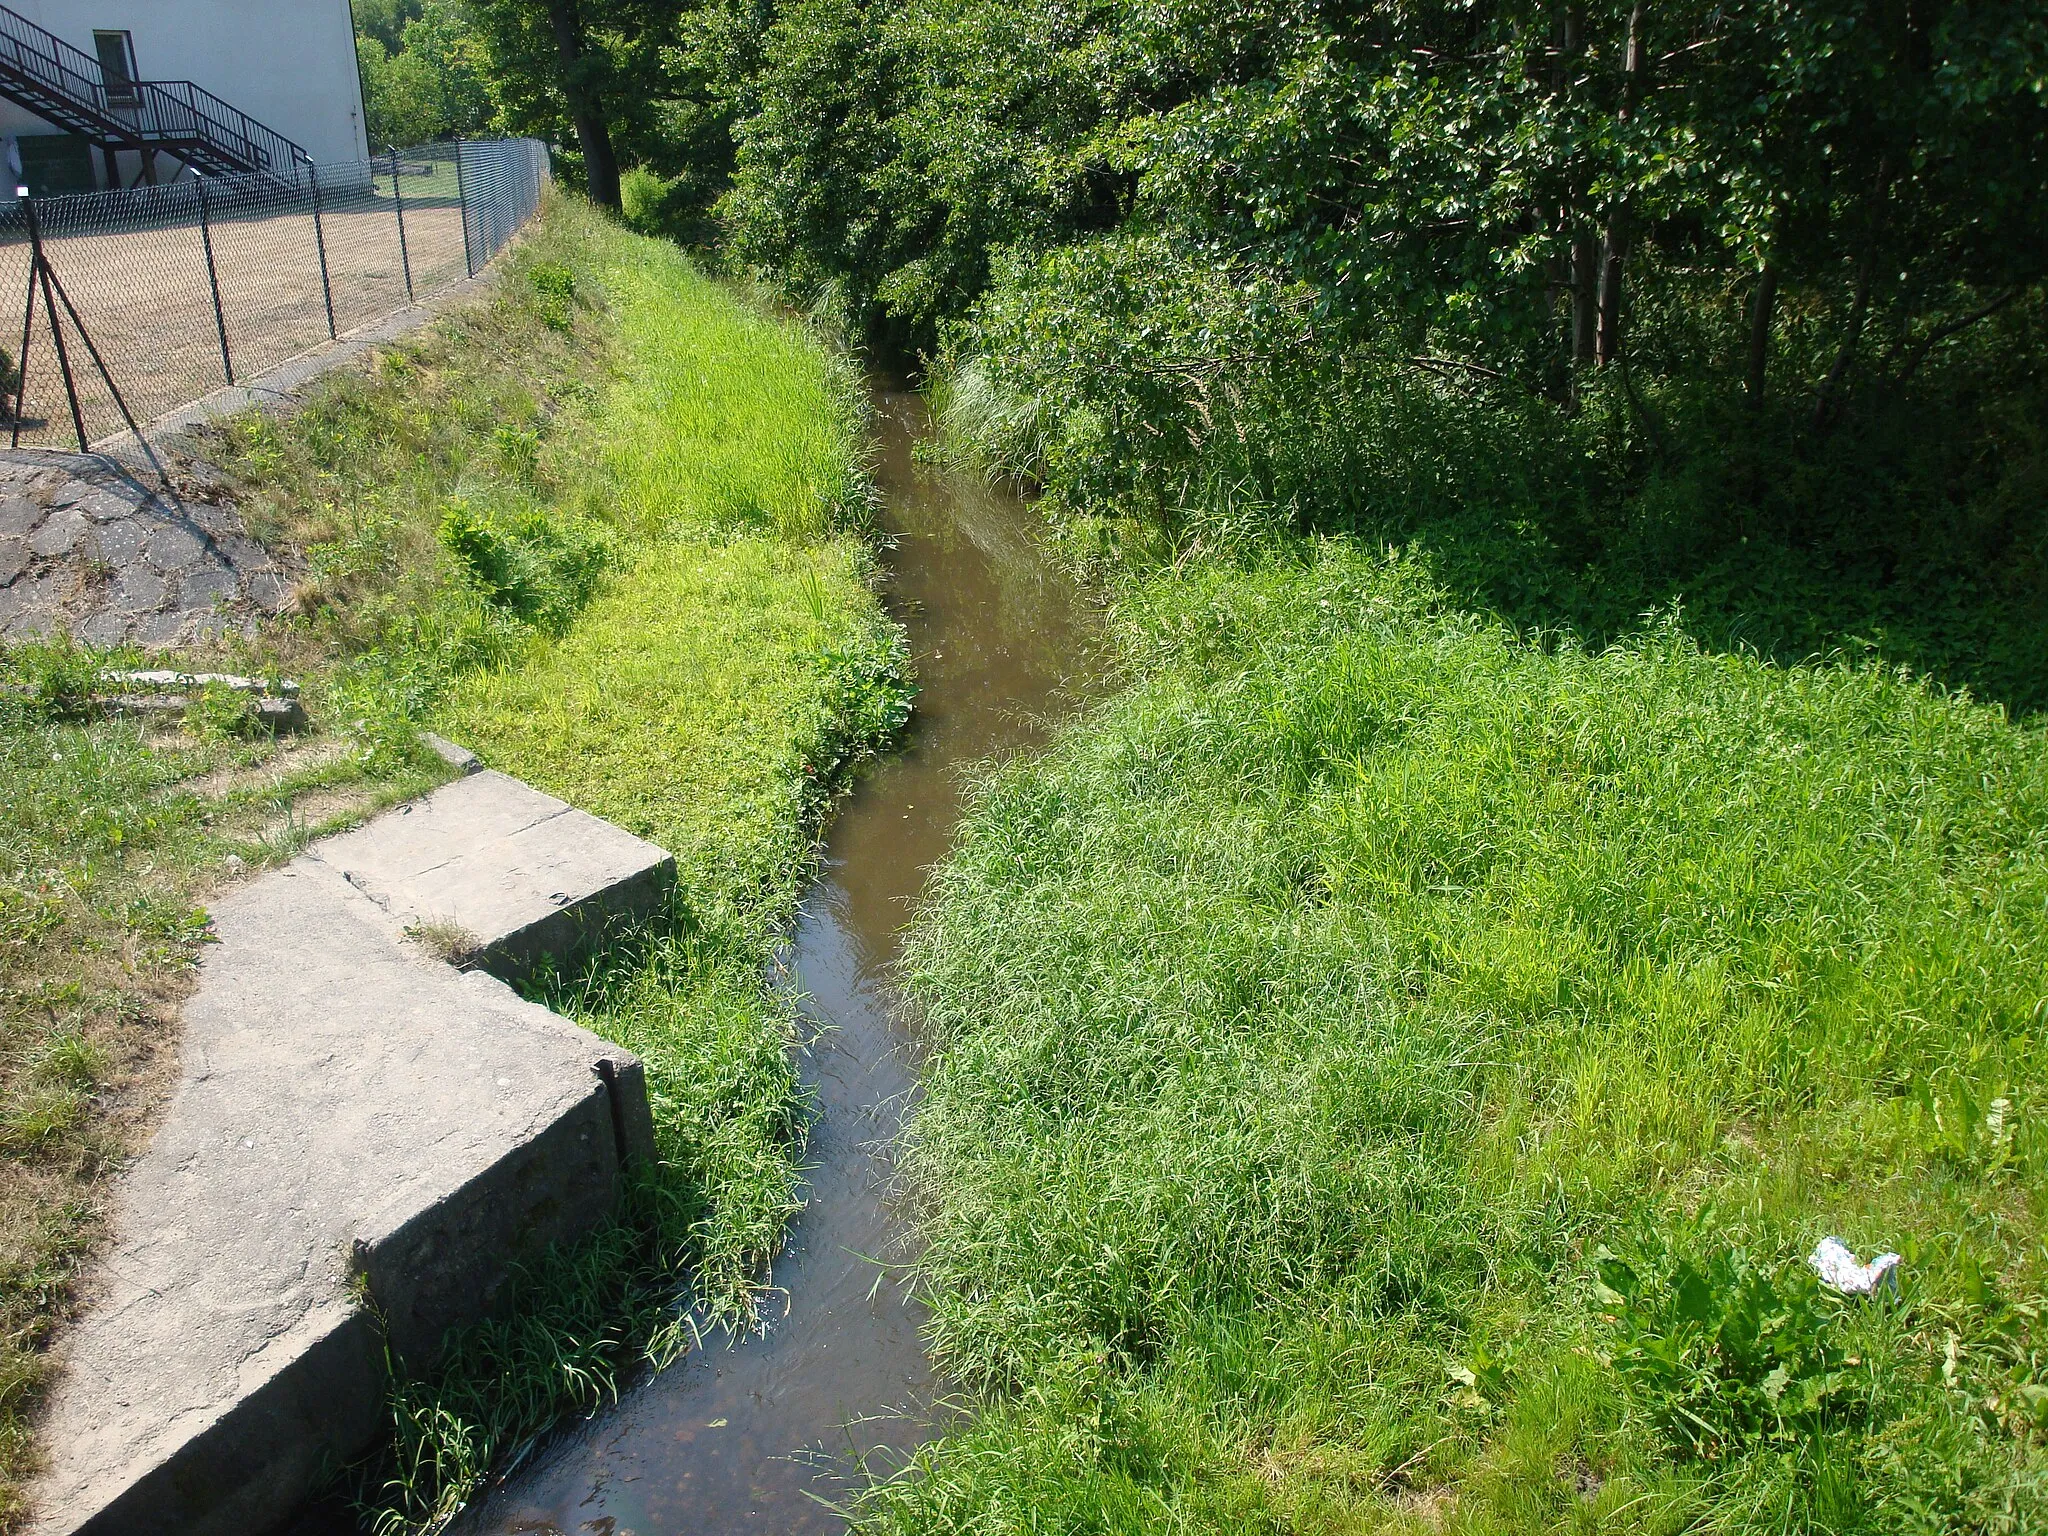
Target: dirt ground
[{"x": 146, "y": 303}]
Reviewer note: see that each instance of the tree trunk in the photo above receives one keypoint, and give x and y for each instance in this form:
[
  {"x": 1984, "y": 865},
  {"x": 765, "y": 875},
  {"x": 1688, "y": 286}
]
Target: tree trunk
[
  {"x": 1585, "y": 250},
  {"x": 1614, "y": 257},
  {"x": 1761, "y": 305},
  {"x": 1585, "y": 294},
  {"x": 1859, "y": 306},
  {"x": 586, "y": 109},
  {"x": 1607, "y": 340}
]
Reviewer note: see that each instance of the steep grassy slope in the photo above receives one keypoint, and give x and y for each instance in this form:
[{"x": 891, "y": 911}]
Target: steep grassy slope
[
  {"x": 729, "y": 662},
  {"x": 606, "y": 526}
]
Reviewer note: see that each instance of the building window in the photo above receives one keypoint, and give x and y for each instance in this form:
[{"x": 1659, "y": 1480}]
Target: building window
[{"x": 117, "y": 65}]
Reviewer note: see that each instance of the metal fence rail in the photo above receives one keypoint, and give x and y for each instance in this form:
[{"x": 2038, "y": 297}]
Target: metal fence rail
[{"x": 162, "y": 294}]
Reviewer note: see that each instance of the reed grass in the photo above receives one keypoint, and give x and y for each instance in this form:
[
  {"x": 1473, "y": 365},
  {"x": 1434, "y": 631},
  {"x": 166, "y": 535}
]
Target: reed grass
[
  {"x": 726, "y": 668},
  {"x": 607, "y": 528},
  {"x": 1387, "y": 1074}
]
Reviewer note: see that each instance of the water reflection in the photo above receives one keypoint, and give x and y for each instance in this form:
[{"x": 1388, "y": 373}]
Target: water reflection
[{"x": 762, "y": 1436}]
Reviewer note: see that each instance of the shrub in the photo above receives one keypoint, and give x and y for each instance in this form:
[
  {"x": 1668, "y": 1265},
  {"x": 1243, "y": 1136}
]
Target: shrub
[
  {"x": 540, "y": 567},
  {"x": 554, "y": 294}
]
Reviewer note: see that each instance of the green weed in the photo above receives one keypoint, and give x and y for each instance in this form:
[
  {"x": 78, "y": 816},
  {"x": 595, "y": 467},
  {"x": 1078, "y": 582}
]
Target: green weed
[
  {"x": 672, "y": 626},
  {"x": 554, "y": 290},
  {"x": 1307, "y": 1020},
  {"x": 1727, "y": 1350}
]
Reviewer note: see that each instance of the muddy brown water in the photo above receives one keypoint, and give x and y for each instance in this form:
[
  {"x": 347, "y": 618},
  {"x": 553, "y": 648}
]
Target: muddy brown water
[{"x": 765, "y": 1434}]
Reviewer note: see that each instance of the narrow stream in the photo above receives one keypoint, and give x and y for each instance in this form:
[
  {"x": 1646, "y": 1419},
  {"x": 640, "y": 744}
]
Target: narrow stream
[{"x": 761, "y": 1435}]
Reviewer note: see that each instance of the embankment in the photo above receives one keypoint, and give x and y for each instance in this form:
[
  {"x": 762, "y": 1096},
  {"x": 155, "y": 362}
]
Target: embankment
[
  {"x": 605, "y": 524},
  {"x": 1386, "y": 1074}
]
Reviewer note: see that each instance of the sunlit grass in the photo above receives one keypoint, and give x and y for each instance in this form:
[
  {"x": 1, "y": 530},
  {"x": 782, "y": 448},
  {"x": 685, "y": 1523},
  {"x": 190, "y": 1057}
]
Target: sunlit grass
[
  {"x": 695, "y": 441},
  {"x": 1305, "y": 1022},
  {"x": 729, "y": 664},
  {"x": 111, "y": 834}
]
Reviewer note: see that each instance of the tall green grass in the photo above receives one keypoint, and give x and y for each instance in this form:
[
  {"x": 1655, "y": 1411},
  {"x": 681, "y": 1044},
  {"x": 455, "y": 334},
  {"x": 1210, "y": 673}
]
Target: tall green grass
[
  {"x": 694, "y": 651},
  {"x": 1388, "y": 1074},
  {"x": 610, "y": 531}
]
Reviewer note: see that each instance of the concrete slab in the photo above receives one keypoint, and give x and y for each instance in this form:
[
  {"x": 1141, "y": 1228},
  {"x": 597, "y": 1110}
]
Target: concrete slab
[
  {"x": 353, "y": 1115},
  {"x": 521, "y": 874}
]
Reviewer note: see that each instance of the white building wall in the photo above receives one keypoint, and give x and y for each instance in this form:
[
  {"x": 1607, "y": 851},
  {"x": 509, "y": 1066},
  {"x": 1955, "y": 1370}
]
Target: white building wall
[{"x": 290, "y": 64}]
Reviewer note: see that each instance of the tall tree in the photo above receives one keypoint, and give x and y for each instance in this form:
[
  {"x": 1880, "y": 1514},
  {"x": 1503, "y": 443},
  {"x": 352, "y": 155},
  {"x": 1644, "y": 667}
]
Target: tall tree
[
  {"x": 581, "y": 88},
  {"x": 551, "y": 72}
]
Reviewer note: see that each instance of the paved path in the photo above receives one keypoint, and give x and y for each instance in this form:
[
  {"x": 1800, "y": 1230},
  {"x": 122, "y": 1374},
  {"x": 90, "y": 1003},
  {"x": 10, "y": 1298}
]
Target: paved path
[{"x": 351, "y": 1110}]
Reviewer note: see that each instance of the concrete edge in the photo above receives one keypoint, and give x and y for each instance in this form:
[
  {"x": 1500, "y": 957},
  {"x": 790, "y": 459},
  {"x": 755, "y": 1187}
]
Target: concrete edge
[
  {"x": 461, "y": 759},
  {"x": 568, "y": 933},
  {"x": 321, "y": 1405},
  {"x": 619, "y": 1069},
  {"x": 435, "y": 1269}
]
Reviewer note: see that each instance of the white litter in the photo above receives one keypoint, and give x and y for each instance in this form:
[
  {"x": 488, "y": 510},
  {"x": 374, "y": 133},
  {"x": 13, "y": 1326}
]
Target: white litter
[{"x": 1838, "y": 1266}]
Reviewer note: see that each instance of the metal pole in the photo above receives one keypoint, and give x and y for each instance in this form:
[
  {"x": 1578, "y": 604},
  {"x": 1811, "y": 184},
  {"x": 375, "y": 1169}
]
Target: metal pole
[
  {"x": 97, "y": 361},
  {"x": 398, "y": 198},
  {"x": 63, "y": 358},
  {"x": 27, "y": 320},
  {"x": 462, "y": 196},
  {"x": 320, "y": 244},
  {"x": 220, "y": 321}
]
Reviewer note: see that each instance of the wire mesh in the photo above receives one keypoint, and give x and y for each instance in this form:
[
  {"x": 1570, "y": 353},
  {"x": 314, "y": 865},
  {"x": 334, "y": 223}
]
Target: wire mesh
[
  {"x": 430, "y": 186},
  {"x": 164, "y": 293}
]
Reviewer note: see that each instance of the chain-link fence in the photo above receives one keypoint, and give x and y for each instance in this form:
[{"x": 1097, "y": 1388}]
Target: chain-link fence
[{"x": 162, "y": 294}]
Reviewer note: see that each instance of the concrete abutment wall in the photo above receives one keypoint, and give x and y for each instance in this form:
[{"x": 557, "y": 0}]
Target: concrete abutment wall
[{"x": 354, "y": 1115}]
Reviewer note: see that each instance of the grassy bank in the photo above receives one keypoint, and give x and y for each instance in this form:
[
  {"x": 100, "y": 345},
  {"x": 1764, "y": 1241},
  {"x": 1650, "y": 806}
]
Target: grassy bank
[
  {"x": 710, "y": 698},
  {"x": 606, "y": 528},
  {"x": 1388, "y": 1075},
  {"x": 649, "y": 594},
  {"x": 111, "y": 834}
]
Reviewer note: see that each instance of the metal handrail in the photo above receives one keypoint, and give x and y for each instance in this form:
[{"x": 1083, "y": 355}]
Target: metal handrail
[
  {"x": 48, "y": 58},
  {"x": 166, "y": 111},
  {"x": 180, "y": 109}
]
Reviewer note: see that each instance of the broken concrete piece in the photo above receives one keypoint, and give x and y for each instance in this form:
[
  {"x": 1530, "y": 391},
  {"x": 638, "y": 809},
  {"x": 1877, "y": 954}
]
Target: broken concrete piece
[
  {"x": 281, "y": 715},
  {"x": 459, "y": 758},
  {"x": 272, "y": 714},
  {"x": 527, "y": 874},
  {"x": 163, "y": 677}
]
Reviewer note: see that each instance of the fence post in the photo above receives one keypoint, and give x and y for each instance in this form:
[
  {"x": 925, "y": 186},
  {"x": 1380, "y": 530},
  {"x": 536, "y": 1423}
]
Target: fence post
[
  {"x": 320, "y": 244},
  {"x": 40, "y": 268},
  {"x": 52, "y": 280},
  {"x": 461, "y": 193},
  {"x": 398, "y": 199},
  {"x": 220, "y": 321},
  {"x": 462, "y": 196},
  {"x": 28, "y": 319}
]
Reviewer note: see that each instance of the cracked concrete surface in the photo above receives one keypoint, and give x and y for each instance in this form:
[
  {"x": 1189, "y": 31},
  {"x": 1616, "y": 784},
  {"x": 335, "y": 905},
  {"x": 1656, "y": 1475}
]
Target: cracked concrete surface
[
  {"x": 350, "y": 1108},
  {"x": 115, "y": 555},
  {"x": 525, "y": 873}
]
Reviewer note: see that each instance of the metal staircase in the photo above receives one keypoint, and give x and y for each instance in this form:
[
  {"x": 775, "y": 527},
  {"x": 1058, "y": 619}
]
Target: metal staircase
[{"x": 65, "y": 86}]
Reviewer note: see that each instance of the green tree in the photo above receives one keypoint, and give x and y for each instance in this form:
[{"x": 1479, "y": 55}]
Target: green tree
[
  {"x": 568, "y": 63},
  {"x": 384, "y": 20},
  {"x": 434, "y": 84}
]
